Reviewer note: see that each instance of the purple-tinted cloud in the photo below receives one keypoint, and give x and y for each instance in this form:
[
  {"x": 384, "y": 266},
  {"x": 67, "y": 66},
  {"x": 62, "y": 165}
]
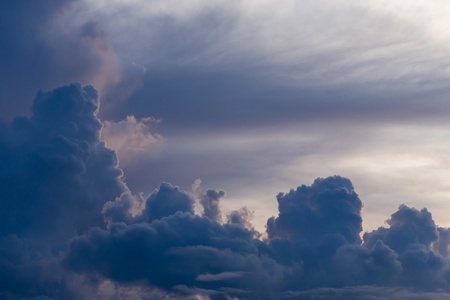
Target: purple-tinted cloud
[
  {"x": 41, "y": 50},
  {"x": 71, "y": 228}
]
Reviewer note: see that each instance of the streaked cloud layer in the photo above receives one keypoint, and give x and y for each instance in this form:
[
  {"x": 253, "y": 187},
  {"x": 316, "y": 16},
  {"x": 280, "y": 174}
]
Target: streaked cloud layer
[{"x": 171, "y": 187}]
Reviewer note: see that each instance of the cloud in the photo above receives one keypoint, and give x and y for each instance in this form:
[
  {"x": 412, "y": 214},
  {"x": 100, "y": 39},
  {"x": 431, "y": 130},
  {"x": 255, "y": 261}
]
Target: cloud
[
  {"x": 56, "y": 175},
  {"x": 55, "y": 165},
  {"x": 291, "y": 63},
  {"x": 219, "y": 277},
  {"x": 174, "y": 251},
  {"x": 210, "y": 203},
  {"x": 408, "y": 226},
  {"x": 442, "y": 245},
  {"x": 313, "y": 243},
  {"x": 364, "y": 292},
  {"x": 411, "y": 234},
  {"x": 44, "y": 49},
  {"x": 71, "y": 228},
  {"x": 329, "y": 206},
  {"x": 131, "y": 139},
  {"x": 243, "y": 217}
]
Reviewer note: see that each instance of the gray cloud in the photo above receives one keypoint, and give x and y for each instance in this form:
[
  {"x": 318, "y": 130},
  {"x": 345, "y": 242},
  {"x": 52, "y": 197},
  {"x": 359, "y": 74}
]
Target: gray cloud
[
  {"x": 328, "y": 206},
  {"x": 219, "y": 276},
  {"x": 210, "y": 203},
  {"x": 158, "y": 246},
  {"x": 44, "y": 50},
  {"x": 55, "y": 164},
  {"x": 315, "y": 244},
  {"x": 56, "y": 175},
  {"x": 306, "y": 62}
]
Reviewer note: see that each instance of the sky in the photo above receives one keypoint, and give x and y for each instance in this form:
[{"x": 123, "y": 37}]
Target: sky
[{"x": 224, "y": 149}]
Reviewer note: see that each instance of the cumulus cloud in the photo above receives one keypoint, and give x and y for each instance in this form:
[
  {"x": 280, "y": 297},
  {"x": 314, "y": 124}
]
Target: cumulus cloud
[
  {"x": 442, "y": 245},
  {"x": 243, "y": 217},
  {"x": 164, "y": 201},
  {"x": 56, "y": 175},
  {"x": 328, "y": 206},
  {"x": 312, "y": 245},
  {"x": 71, "y": 228},
  {"x": 55, "y": 167},
  {"x": 210, "y": 203}
]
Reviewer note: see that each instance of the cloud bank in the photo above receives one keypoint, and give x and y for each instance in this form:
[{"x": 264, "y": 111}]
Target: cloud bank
[{"x": 71, "y": 228}]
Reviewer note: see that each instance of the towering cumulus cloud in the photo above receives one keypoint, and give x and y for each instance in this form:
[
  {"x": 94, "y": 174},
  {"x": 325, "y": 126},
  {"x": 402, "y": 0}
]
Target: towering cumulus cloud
[
  {"x": 329, "y": 206},
  {"x": 71, "y": 229},
  {"x": 55, "y": 177},
  {"x": 210, "y": 203},
  {"x": 55, "y": 170}
]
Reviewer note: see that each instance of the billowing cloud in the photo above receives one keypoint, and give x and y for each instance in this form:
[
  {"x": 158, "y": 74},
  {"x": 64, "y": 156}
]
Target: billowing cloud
[
  {"x": 54, "y": 166},
  {"x": 257, "y": 97},
  {"x": 312, "y": 245},
  {"x": 328, "y": 206},
  {"x": 72, "y": 229},
  {"x": 210, "y": 203},
  {"x": 56, "y": 175}
]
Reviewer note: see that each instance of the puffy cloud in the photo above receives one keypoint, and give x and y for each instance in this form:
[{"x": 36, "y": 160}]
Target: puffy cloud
[
  {"x": 55, "y": 176},
  {"x": 442, "y": 245},
  {"x": 243, "y": 217},
  {"x": 328, "y": 206},
  {"x": 56, "y": 172},
  {"x": 408, "y": 226},
  {"x": 59, "y": 183},
  {"x": 182, "y": 249},
  {"x": 210, "y": 203},
  {"x": 164, "y": 201},
  {"x": 411, "y": 234},
  {"x": 186, "y": 254}
]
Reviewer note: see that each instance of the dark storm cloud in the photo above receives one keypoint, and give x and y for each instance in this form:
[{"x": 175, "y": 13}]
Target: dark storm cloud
[
  {"x": 313, "y": 243},
  {"x": 408, "y": 226},
  {"x": 59, "y": 182},
  {"x": 412, "y": 234},
  {"x": 328, "y": 206},
  {"x": 163, "y": 202},
  {"x": 175, "y": 251},
  {"x": 55, "y": 165},
  {"x": 55, "y": 177},
  {"x": 40, "y": 51}
]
